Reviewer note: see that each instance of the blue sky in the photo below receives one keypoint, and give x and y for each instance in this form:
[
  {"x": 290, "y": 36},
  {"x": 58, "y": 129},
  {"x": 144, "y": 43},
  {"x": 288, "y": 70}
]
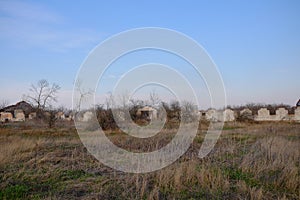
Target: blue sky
[{"x": 255, "y": 44}]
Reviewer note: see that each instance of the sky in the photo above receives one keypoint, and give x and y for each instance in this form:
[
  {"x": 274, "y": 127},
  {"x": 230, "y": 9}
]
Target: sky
[{"x": 255, "y": 44}]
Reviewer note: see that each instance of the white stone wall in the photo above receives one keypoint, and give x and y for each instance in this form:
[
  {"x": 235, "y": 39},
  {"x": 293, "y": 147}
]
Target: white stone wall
[
  {"x": 6, "y": 116},
  {"x": 87, "y": 116},
  {"x": 211, "y": 115},
  {"x": 263, "y": 115},
  {"x": 246, "y": 111},
  {"x": 153, "y": 114},
  {"x": 19, "y": 116},
  {"x": 229, "y": 115},
  {"x": 297, "y": 114},
  {"x": 282, "y": 114}
]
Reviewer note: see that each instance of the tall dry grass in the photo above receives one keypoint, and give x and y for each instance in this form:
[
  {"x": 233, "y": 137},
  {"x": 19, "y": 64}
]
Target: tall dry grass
[
  {"x": 248, "y": 162},
  {"x": 275, "y": 161},
  {"x": 15, "y": 148}
]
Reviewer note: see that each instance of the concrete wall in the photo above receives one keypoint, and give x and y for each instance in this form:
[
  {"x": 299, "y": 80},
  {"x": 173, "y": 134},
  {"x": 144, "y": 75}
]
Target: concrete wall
[
  {"x": 215, "y": 115},
  {"x": 229, "y": 115},
  {"x": 263, "y": 114},
  {"x": 19, "y": 115},
  {"x": 87, "y": 116},
  {"x": 6, "y": 116},
  {"x": 282, "y": 114},
  {"x": 297, "y": 114},
  {"x": 152, "y": 113},
  {"x": 211, "y": 115},
  {"x": 246, "y": 111}
]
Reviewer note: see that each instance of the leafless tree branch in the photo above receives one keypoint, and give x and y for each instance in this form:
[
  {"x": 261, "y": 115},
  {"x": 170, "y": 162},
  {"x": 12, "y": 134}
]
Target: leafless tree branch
[{"x": 42, "y": 94}]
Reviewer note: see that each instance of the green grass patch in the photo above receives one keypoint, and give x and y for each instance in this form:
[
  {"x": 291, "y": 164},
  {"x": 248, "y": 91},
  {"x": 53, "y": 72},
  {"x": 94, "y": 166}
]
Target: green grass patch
[
  {"x": 238, "y": 174},
  {"x": 15, "y": 192},
  {"x": 73, "y": 174},
  {"x": 199, "y": 139}
]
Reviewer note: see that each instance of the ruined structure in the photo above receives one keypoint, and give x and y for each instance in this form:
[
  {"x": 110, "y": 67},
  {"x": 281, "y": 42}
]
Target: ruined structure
[
  {"x": 87, "y": 116},
  {"x": 211, "y": 115},
  {"x": 246, "y": 111},
  {"x": 19, "y": 115},
  {"x": 69, "y": 116},
  {"x": 229, "y": 115},
  {"x": 297, "y": 114},
  {"x": 22, "y": 105},
  {"x": 17, "y": 112},
  {"x": 282, "y": 114},
  {"x": 147, "y": 112},
  {"x": 24, "y": 111},
  {"x": 6, "y": 116},
  {"x": 60, "y": 115},
  {"x": 263, "y": 115},
  {"x": 32, "y": 115}
]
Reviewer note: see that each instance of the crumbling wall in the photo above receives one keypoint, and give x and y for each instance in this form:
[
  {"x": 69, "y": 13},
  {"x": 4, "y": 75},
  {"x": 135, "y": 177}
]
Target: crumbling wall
[
  {"x": 263, "y": 114},
  {"x": 211, "y": 115},
  {"x": 19, "y": 115},
  {"x": 6, "y": 116},
  {"x": 282, "y": 114},
  {"x": 87, "y": 116},
  {"x": 229, "y": 115},
  {"x": 297, "y": 114},
  {"x": 60, "y": 115}
]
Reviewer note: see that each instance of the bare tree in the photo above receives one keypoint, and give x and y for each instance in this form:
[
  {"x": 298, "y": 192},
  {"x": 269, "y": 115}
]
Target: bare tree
[
  {"x": 124, "y": 100},
  {"x": 154, "y": 99},
  {"x": 83, "y": 93},
  {"x": 137, "y": 103},
  {"x": 175, "y": 106},
  {"x": 42, "y": 94},
  {"x": 109, "y": 101},
  {"x": 3, "y": 103},
  {"x": 189, "y": 111}
]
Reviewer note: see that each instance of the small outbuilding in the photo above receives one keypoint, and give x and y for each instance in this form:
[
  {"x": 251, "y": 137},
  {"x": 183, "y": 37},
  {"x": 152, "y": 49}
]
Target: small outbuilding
[
  {"x": 147, "y": 112},
  {"x": 22, "y": 105},
  {"x": 6, "y": 116}
]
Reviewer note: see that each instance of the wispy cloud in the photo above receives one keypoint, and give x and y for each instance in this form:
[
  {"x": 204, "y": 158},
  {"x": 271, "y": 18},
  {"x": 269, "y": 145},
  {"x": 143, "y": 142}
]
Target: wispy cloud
[
  {"x": 26, "y": 11},
  {"x": 33, "y": 25}
]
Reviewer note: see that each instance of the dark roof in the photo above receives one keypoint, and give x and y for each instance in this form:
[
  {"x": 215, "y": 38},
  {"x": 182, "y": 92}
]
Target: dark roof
[
  {"x": 23, "y": 105},
  {"x": 298, "y": 104}
]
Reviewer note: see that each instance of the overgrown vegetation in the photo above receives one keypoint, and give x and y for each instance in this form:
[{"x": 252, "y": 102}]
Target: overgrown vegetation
[{"x": 250, "y": 161}]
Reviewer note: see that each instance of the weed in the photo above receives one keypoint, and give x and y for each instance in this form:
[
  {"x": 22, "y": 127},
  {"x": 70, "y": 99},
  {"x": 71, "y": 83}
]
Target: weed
[{"x": 14, "y": 192}]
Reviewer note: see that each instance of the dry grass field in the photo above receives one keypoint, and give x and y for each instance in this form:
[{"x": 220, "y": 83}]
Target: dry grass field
[{"x": 250, "y": 161}]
